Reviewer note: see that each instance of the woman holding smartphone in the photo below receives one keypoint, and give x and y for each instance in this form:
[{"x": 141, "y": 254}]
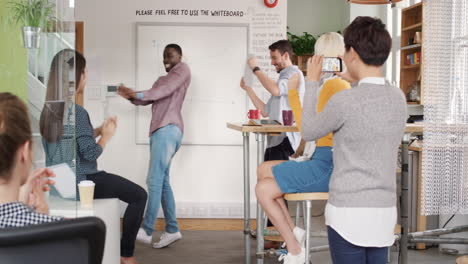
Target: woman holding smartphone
[{"x": 368, "y": 122}]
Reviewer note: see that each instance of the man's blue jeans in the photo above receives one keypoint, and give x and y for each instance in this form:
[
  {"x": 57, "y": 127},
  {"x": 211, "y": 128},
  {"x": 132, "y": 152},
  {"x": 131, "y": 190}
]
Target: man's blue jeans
[{"x": 164, "y": 144}]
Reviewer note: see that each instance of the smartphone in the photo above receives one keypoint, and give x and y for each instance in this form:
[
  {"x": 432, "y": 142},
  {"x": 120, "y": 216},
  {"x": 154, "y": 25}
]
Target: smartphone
[{"x": 332, "y": 64}]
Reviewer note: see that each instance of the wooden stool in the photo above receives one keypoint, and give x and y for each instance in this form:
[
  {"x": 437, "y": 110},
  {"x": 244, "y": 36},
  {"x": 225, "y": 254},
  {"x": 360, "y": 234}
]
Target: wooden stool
[{"x": 307, "y": 198}]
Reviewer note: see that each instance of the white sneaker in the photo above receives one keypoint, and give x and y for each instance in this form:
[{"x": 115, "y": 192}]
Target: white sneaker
[
  {"x": 167, "y": 239},
  {"x": 142, "y": 237},
  {"x": 293, "y": 259},
  {"x": 300, "y": 235}
]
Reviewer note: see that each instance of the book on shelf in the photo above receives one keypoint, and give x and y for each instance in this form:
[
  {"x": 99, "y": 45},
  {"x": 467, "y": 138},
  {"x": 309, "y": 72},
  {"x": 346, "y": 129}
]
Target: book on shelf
[
  {"x": 417, "y": 57},
  {"x": 414, "y": 58}
]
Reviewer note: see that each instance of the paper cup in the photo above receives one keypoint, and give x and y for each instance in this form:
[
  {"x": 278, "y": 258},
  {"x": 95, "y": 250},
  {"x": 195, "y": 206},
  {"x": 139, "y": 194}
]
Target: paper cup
[{"x": 86, "y": 189}]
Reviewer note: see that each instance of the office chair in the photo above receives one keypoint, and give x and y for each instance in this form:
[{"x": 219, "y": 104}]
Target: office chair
[{"x": 72, "y": 241}]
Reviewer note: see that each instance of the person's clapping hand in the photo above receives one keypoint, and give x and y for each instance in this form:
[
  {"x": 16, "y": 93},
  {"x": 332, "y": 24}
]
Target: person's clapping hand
[
  {"x": 314, "y": 68},
  {"x": 252, "y": 62},
  {"x": 32, "y": 191},
  {"x": 109, "y": 127},
  {"x": 243, "y": 85},
  {"x": 110, "y": 119},
  {"x": 113, "y": 119},
  {"x": 98, "y": 130},
  {"x": 121, "y": 90},
  {"x": 126, "y": 92}
]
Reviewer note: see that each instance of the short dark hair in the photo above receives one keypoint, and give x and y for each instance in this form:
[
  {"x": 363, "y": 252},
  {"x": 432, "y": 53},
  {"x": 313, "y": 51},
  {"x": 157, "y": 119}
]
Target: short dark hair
[
  {"x": 282, "y": 46},
  {"x": 370, "y": 39},
  {"x": 15, "y": 130},
  {"x": 176, "y": 47}
]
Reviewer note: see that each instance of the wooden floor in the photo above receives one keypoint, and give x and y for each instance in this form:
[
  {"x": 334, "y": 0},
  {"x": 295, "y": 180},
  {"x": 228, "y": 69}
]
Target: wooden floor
[
  {"x": 209, "y": 224},
  {"x": 227, "y": 247},
  {"x": 197, "y": 224}
]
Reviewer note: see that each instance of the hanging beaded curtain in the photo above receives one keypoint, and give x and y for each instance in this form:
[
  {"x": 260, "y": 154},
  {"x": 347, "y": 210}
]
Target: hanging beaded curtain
[{"x": 445, "y": 81}]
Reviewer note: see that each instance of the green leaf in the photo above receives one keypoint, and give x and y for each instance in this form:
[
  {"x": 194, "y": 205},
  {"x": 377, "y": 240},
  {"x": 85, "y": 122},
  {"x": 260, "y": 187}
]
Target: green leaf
[
  {"x": 303, "y": 44},
  {"x": 37, "y": 13}
]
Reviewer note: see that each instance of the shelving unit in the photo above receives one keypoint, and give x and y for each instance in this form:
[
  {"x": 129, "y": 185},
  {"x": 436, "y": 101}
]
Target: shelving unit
[
  {"x": 408, "y": 67},
  {"x": 301, "y": 62},
  {"x": 412, "y": 27},
  {"x": 411, "y": 43},
  {"x": 415, "y": 46}
]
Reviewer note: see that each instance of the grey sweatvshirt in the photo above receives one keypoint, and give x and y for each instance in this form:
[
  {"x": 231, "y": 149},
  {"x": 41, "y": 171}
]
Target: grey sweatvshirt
[{"x": 368, "y": 122}]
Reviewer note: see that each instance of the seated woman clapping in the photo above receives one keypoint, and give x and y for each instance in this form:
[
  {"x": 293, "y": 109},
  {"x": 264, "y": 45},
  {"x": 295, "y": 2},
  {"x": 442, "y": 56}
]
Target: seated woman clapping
[{"x": 22, "y": 200}]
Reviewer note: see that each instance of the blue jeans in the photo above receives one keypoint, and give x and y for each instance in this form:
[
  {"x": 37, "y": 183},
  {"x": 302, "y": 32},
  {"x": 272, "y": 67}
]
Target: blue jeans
[
  {"x": 164, "y": 144},
  {"x": 343, "y": 252}
]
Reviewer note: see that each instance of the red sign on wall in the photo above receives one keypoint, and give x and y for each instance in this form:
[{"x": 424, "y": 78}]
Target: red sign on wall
[{"x": 270, "y": 3}]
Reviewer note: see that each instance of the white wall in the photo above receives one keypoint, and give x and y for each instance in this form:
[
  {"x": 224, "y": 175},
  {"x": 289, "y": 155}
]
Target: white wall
[
  {"x": 379, "y": 11},
  {"x": 207, "y": 180},
  {"x": 317, "y": 16},
  {"x": 367, "y": 10},
  {"x": 320, "y": 16}
]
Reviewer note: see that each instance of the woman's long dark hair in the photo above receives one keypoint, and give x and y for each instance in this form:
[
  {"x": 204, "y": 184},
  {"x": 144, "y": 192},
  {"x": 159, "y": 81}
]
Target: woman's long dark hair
[{"x": 60, "y": 79}]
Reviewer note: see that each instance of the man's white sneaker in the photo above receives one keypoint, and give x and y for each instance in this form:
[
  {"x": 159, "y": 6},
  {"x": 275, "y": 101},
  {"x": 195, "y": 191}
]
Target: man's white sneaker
[
  {"x": 167, "y": 239},
  {"x": 300, "y": 235},
  {"x": 293, "y": 259},
  {"x": 142, "y": 237}
]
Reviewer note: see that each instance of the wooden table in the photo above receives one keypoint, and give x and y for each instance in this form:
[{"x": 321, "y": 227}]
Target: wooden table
[{"x": 260, "y": 132}]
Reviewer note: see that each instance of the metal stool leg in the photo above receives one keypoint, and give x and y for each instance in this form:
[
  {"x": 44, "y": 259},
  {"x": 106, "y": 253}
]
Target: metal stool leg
[
  {"x": 388, "y": 254},
  {"x": 304, "y": 210},
  {"x": 298, "y": 212},
  {"x": 260, "y": 239},
  {"x": 247, "y": 230},
  {"x": 307, "y": 244}
]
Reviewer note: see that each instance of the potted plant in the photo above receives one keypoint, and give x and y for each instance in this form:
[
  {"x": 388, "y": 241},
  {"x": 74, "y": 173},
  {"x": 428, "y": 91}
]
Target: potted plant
[
  {"x": 302, "y": 44},
  {"x": 303, "y": 47},
  {"x": 33, "y": 16}
]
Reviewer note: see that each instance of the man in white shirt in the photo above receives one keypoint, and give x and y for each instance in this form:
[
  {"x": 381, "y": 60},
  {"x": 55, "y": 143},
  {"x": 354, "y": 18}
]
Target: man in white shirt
[{"x": 283, "y": 146}]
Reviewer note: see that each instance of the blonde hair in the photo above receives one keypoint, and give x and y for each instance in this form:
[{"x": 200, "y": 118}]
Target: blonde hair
[{"x": 330, "y": 45}]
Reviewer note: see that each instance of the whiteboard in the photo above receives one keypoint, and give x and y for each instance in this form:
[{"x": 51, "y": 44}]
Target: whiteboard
[{"x": 216, "y": 55}]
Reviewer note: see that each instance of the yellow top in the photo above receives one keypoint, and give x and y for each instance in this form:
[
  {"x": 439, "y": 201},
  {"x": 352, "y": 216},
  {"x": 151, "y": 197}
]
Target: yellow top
[
  {"x": 330, "y": 87},
  {"x": 296, "y": 107}
]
